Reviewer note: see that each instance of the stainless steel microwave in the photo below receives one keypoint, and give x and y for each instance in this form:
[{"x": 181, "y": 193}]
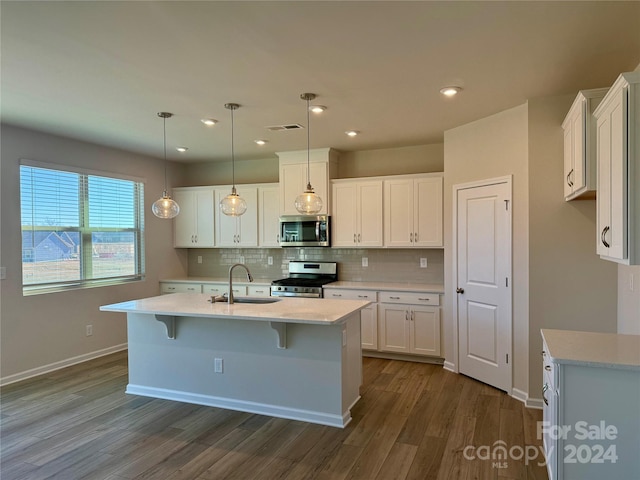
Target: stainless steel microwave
[{"x": 305, "y": 231}]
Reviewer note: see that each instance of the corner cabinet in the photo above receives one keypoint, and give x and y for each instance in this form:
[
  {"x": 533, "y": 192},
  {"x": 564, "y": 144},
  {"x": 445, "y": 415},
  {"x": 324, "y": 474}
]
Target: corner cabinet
[
  {"x": 409, "y": 323},
  {"x": 580, "y": 145},
  {"x": 618, "y": 154},
  {"x": 356, "y": 213},
  {"x": 239, "y": 231},
  {"x": 413, "y": 211},
  {"x": 194, "y": 225},
  {"x": 293, "y": 177}
]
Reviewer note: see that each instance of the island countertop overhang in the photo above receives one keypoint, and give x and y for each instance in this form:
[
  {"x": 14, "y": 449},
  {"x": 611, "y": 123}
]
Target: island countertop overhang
[{"x": 318, "y": 311}]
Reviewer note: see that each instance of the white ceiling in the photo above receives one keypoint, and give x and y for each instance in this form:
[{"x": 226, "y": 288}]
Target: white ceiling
[{"x": 100, "y": 70}]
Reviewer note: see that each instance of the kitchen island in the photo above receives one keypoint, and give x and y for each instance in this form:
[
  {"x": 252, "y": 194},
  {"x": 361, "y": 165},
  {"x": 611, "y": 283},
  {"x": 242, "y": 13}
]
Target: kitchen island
[{"x": 297, "y": 358}]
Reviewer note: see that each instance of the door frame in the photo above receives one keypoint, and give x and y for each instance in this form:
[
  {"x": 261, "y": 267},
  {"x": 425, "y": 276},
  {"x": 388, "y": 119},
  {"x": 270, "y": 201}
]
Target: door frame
[{"x": 508, "y": 179}]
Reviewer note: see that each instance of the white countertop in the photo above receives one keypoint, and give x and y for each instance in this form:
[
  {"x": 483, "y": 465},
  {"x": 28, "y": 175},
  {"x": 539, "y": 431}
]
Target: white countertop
[
  {"x": 388, "y": 286},
  {"x": 608, "y": 350},
  {"x": 320, "y": 311}
]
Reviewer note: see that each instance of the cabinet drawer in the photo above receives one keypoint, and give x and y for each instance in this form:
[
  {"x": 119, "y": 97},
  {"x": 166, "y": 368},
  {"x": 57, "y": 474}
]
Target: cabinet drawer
[
  {"x": 409, "y": 298},
  {"x": 366, "y": 295},
  {"x": 180, "y": 288},
  {"x": 258, "y": 290},
  {"x": 223, "y": 288}
]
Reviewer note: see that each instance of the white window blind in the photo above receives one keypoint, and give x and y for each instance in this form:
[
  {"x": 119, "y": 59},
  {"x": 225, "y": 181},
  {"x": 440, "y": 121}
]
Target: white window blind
[{"x": 79, "y": 229}]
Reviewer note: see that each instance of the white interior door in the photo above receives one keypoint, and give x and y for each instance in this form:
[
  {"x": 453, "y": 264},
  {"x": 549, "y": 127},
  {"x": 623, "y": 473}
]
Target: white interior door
[{"x": 483, "y": 230}]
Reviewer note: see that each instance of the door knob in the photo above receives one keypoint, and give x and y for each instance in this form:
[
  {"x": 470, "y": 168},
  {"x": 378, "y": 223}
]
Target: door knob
[{"x": 459, "y": 290}]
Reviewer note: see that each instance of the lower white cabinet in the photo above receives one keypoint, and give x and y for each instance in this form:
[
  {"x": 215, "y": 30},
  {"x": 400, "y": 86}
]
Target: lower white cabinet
[
  {"x": 591, "y": 406},
  {"x": 368, "y": 315},
  {"x": 216, "y": 288},
  {"x": 180, "y": 287},
  {"x": 413, "y": 329}
]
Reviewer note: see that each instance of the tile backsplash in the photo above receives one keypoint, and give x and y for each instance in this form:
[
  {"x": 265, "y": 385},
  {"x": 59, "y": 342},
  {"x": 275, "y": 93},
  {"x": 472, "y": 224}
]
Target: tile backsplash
[{"x": 384, "y": 265}]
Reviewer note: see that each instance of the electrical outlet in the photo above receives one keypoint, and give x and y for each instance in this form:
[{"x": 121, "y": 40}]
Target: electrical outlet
[
  {"x": 241, "y": 259},
  {"x": 365, "y": 261},
  {"x": 199, "y": 258},
  {"x": 89, "y": 330},
  {"x": 269, "y": 260},
  {"x": 423, "y": 263},
  {"x": 217, "y": 365}
]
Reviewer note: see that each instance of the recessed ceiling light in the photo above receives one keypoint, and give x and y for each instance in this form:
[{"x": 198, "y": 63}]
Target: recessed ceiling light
[
  {"x": 209, "y": 122},
  {"x": 261, "y": 142},
  {"x": 182, "y": 149},
  {"x": 352, "y": 133},
  {"x": 317, "y": 108},
  {"x": 450, "y": 91}
]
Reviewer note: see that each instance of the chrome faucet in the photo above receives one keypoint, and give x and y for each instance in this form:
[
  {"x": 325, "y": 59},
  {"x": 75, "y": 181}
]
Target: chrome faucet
[{"x": 249, "y": 277}]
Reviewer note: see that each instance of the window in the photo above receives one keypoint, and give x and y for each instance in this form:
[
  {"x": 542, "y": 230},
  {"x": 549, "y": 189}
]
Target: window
[{"x": 79, "y": 229}]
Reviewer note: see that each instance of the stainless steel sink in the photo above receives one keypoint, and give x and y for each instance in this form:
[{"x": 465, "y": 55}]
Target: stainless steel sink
[{"x": 255, "y": 300}]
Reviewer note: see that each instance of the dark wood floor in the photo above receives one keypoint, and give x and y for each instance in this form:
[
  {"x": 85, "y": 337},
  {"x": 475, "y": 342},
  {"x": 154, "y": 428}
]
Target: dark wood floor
[{"x": 413, "y": 422}]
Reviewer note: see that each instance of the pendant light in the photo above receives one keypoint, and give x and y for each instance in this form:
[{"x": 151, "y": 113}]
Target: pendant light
[
  {"x": 308, "y": 202},
  {"x": 233, "y": 204},
  {"x": 165, "y": 207}
]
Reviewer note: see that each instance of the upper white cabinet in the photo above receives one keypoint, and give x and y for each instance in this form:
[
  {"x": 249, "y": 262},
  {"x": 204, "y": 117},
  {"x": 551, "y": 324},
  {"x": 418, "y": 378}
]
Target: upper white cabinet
[
  {"x": 193, "y": 227},
  {"x": 357, "y": 213},
  {"x": 413, "y": 211},
  {"x": 268, "y": 212},
  {"x": 293, "y": 177},
  {"x": 239, "y": 231},
  {"x": 618, "y": 151},
  {"x": 580, "y": 145}
]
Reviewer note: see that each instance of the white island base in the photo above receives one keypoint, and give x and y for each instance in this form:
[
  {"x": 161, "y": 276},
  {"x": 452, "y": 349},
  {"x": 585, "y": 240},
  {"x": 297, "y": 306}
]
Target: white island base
[{"x": 307, "y": 371}]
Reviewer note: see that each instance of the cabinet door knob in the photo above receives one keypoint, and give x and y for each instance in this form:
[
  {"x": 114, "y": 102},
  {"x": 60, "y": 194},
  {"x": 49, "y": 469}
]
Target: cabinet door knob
[{"x": 459, "y": 290}]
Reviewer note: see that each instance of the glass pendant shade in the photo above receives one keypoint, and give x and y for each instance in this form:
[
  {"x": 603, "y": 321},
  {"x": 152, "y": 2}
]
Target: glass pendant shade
[
  {"x": 233, "y": 204},
  {"x": 165, "y": 207},
  {"x": 308, "y": 202}
]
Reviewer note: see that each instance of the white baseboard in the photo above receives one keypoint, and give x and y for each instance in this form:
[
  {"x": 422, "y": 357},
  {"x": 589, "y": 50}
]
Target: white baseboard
[
  {"x": 524, "y": 398},
  {"x": 450, "y": 366},
  {"x": 52, "y": 367},
  {"x": 321, "y": 418}
]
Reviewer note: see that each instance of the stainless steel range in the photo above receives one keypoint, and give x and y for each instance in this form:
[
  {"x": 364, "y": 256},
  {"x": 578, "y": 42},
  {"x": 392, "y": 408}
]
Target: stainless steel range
[{"x": 305, "y": 279}]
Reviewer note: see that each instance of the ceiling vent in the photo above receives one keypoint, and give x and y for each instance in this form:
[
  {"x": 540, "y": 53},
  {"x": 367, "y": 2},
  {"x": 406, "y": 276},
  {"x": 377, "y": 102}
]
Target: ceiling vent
[{"x": 289, "y": 126}]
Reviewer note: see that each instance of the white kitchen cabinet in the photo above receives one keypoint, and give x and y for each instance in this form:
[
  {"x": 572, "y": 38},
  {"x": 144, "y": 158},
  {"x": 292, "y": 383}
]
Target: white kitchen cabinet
[
  {"x": 268, "y": 213},
  {"x": 179, "y": 287},
  {"x": 357, "y": 213},
  {"x": 293, "y": 177},
  {"x": 239, "y": 231},
  {"x": 194, "y": 226},
  {"x": 591, "y": 405},
  {"x": 618, "y": 151},
  {"x": 368, "y": 315},
  {"x": 580, "y": 160},
  {"x": 413, "y": 211},
  {"x": 223, "y": 289},
  {"x": 412, "y": 327}
]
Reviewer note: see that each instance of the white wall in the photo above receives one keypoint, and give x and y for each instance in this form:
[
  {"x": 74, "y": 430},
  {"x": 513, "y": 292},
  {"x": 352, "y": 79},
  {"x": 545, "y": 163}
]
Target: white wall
[
  {"x": 492, "y": 147},
  {"x": 44, "y": 331}
]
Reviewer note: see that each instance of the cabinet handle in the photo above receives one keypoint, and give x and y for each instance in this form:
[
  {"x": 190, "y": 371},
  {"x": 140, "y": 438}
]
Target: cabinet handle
[
  {"x": 603, "y": 236},
  {"x": 278, "y": 238},
  {"x": 354, "y": 238},
  {"x": 424, "y": 299},
  {"x": 411, "y": 237},
  {"x": 544, "y": 399},
  {"x": 569, "y": 182},
  {"x": 543, "y": 353},
  {"x": 358, "y": 238},
  {"x": 336, "y": 294},
  {"x": 196, "y": 238},
  {"x": 415, "y": 237},
  {"x": 406, "y": 315},
  {"x": 363, "y": 296},
  {"x": 259, "y": 291},
  {"x": 394, "y": 298},
  {"x": 413, "y": 315},
  {"x": 547, "y": 368}
]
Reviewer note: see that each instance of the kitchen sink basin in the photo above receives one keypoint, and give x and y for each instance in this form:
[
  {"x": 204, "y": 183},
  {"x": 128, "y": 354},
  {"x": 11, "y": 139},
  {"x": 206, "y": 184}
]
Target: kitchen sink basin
[{"x": 255, "y": 300}]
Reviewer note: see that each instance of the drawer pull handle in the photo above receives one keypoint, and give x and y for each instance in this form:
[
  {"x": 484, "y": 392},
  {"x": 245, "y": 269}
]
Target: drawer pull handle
[
  {"x": 544, "y": 399},
  {"x": 336, "y": 294},
  {"x": 547, "y": 368},
  {"x": 363, "y": 296},
  {"x": 545, "y": 387},
  {"x": 394, "y": 298},
  {"x": 424, "y": 299}
]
